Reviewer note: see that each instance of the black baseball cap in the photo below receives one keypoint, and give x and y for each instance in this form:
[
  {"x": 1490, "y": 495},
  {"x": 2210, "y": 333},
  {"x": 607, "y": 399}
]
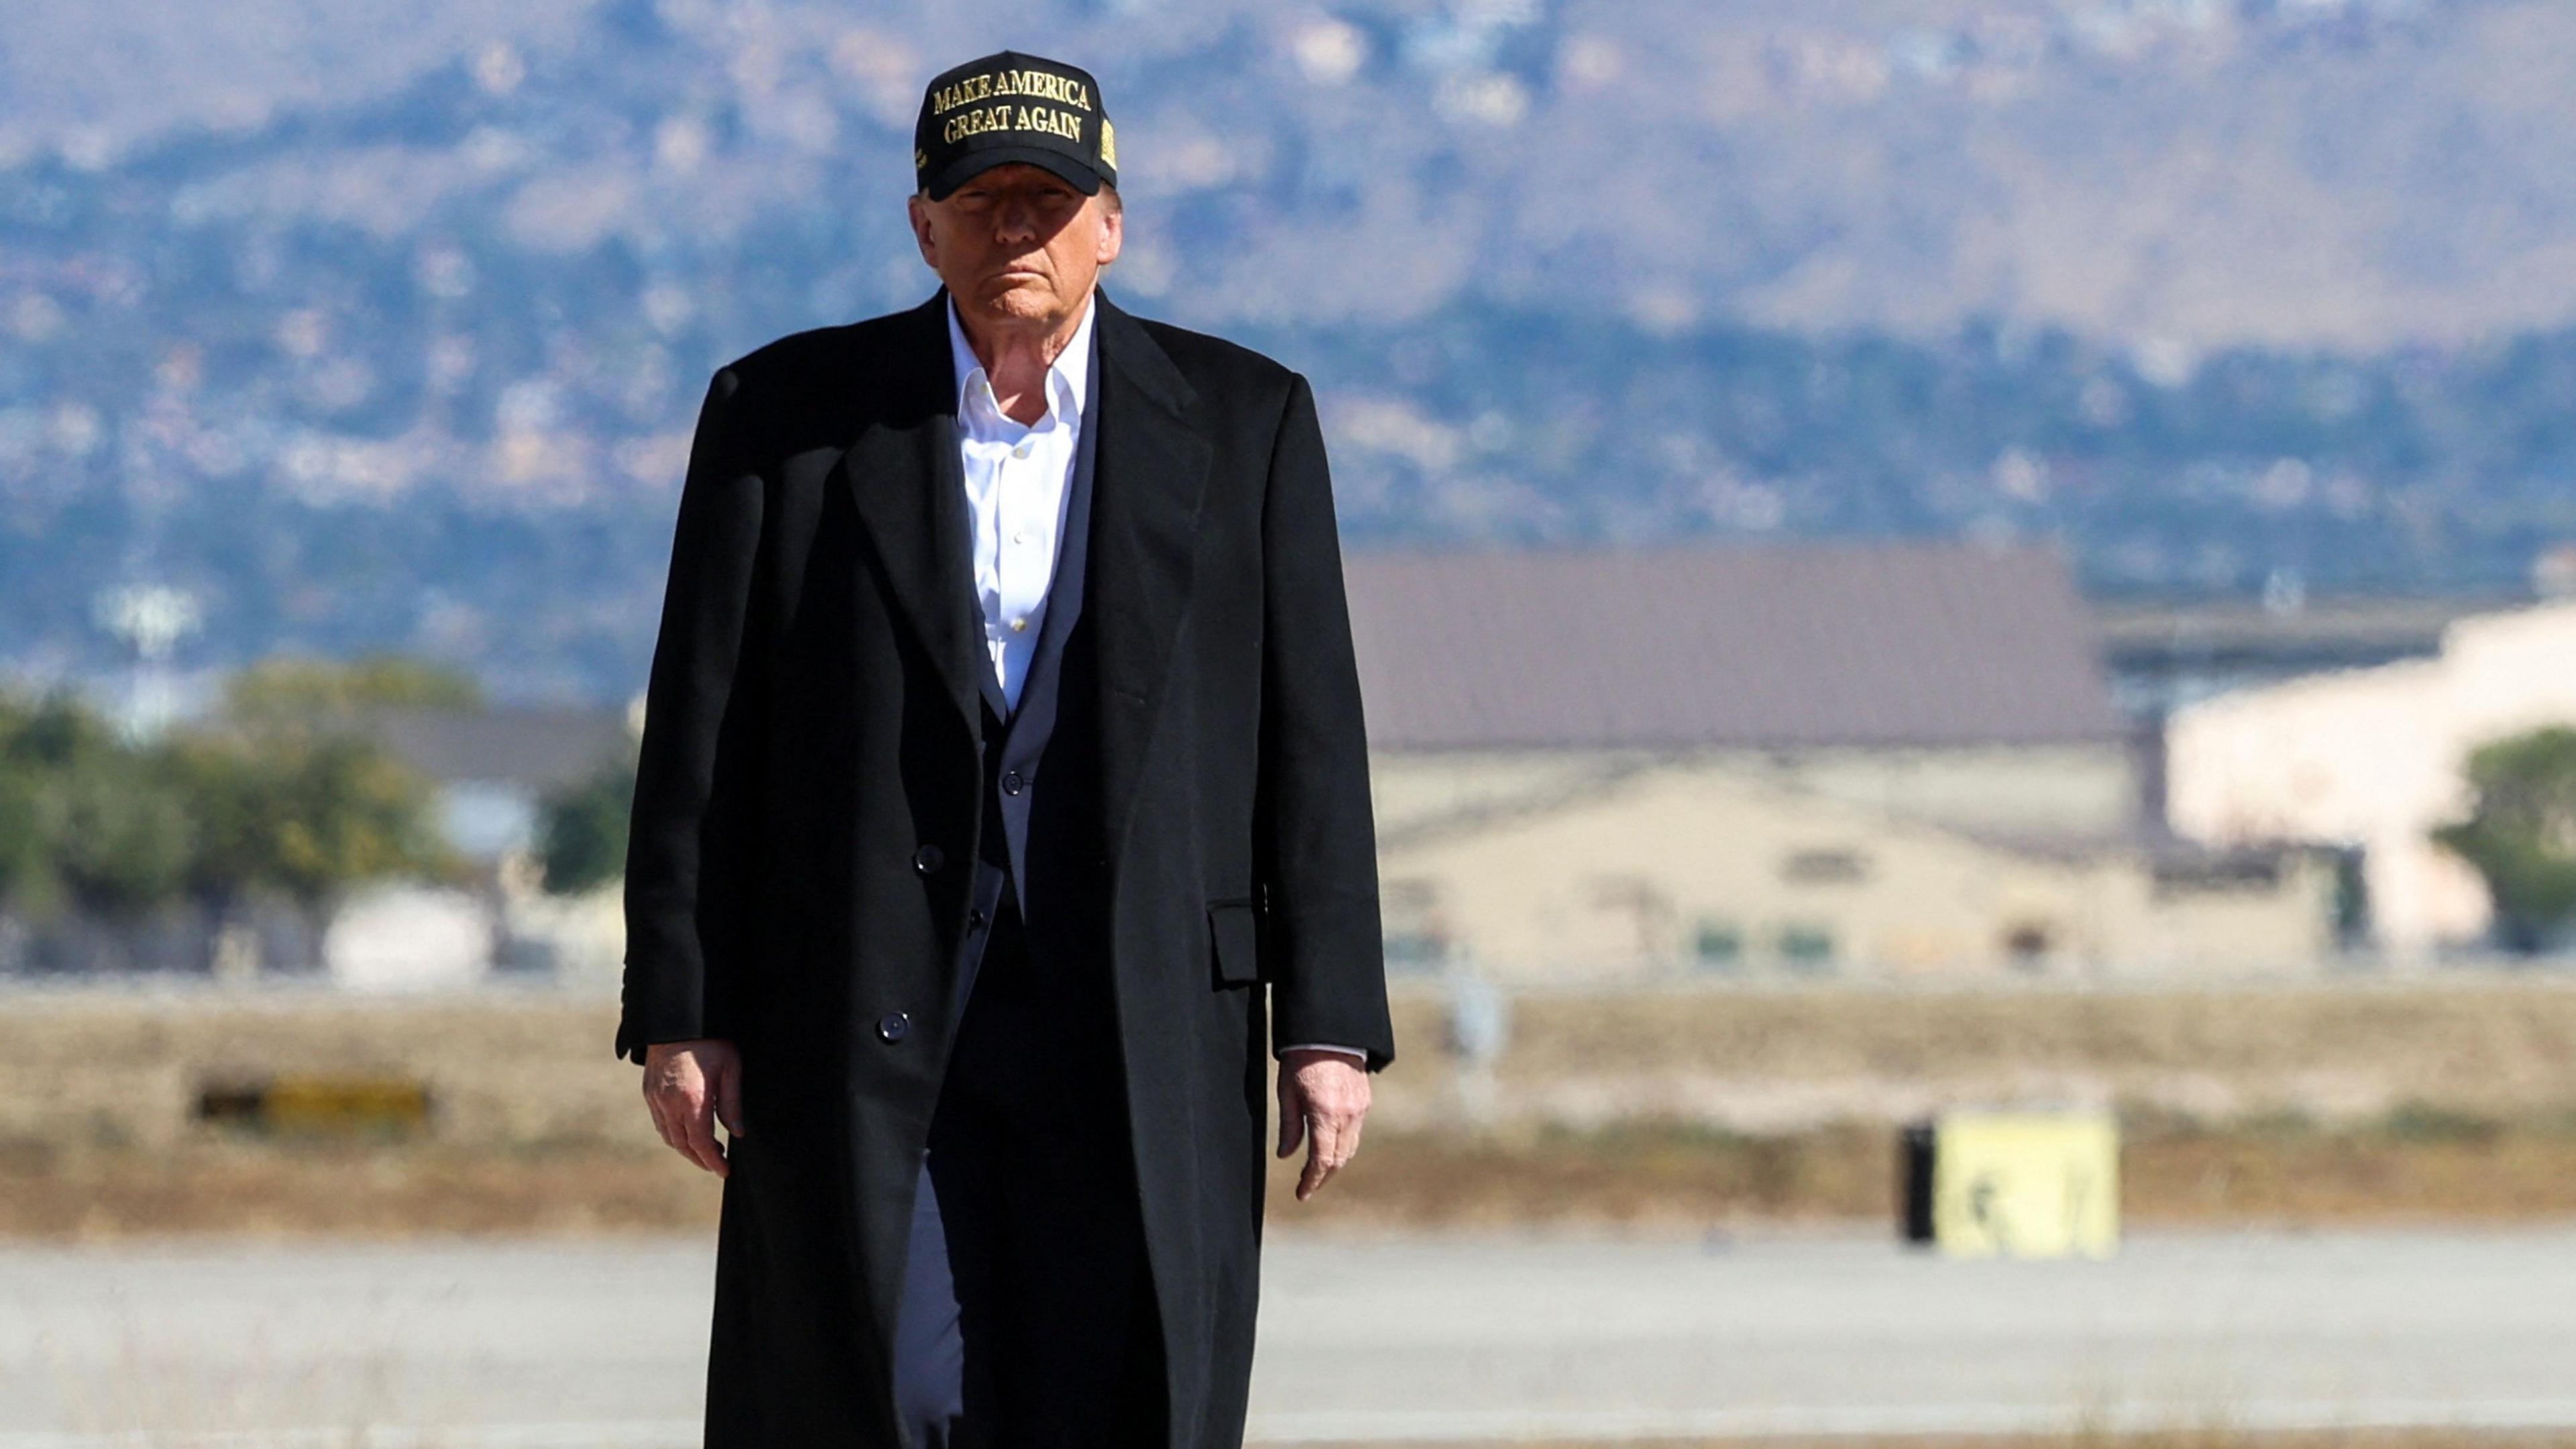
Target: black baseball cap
[{"x": 1012, "y": 107}]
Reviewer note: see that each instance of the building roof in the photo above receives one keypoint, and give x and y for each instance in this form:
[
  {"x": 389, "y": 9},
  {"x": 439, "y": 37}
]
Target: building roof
[
  {"x": 537, "y": 749},
  {"x": 2317, "y": 633},
  {"x": 1760, "y": 646}
]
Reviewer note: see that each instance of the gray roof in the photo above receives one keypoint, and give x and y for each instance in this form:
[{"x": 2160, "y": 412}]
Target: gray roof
[
  {"x": 1766, "y": 646},
  {"x": 536, "y": 748}
]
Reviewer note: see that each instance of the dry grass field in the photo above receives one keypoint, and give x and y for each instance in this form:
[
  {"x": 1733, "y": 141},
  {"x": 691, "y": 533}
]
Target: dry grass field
[
  {"x": 1768, "y": 1059},
  {"x": 2451, "y": 1101}
]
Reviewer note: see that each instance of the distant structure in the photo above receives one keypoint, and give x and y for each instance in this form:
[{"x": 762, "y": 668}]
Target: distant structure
[
  {"x": 1898, "y": 758},
  {"x": 495, "y": 765},
  {"x": 2164, "y": 655},
  {"x": 493, "y": 768},
  {"x": 150, "y": 620},
  {"x": 2371, "y": 758}
]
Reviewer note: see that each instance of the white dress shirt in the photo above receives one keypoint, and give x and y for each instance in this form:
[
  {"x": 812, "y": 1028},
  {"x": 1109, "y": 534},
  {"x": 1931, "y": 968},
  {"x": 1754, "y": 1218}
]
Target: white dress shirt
[{"x": 1017, "y": 477}]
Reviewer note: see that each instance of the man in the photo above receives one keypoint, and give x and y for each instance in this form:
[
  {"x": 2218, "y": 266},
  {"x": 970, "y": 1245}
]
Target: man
[{"x": 1002, "y": 745}]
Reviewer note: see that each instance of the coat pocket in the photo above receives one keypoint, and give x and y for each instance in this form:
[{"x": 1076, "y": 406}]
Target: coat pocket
[{"x": 1236, "y": 939}]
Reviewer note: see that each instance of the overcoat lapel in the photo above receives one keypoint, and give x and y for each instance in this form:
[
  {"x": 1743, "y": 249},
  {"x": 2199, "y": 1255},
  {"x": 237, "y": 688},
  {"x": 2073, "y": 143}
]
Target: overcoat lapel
[
  {"x": 1148, "y": 479},
  {"x": 909, "y": 487},
  {"x": 1149, "y": 475}
]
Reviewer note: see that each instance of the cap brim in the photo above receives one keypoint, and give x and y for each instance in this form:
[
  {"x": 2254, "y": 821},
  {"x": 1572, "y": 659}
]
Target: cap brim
[{"x": 1076, "y": 172}]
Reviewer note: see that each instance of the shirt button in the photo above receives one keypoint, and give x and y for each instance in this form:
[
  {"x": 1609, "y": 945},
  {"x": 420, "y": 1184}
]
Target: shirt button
[
  {"x": 1014, "y": 782},
  {"x": 1019, "y": 535},
  {"x": 894, "y": 1026},
  {"x": 929, "y": 858}
]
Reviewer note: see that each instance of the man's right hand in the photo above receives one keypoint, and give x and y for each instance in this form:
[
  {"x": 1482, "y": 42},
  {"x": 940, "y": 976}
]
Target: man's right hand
[{"x": 689, "y": 1085}]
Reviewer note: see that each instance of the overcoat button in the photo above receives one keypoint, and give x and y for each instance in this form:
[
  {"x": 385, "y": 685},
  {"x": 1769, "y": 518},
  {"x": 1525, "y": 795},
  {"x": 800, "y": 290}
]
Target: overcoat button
[
  {"x": 974, "y": 918},
  {"x": 928, "y": 859},
  {"x": 893, "y": 1025},
  {"x": 1013, "y": 783}
]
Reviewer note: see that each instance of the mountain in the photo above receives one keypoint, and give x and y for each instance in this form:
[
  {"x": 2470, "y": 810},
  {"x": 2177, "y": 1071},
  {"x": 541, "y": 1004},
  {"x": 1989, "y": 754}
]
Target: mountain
[{"x": 380, "y": 325}]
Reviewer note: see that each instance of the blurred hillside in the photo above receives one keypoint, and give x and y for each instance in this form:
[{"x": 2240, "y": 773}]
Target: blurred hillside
[{"x": 376, "y": 325}]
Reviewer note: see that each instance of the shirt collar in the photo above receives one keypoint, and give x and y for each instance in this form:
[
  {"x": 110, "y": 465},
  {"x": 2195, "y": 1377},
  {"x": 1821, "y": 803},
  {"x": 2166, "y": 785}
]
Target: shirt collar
[{"x": 1068, "y": 379}]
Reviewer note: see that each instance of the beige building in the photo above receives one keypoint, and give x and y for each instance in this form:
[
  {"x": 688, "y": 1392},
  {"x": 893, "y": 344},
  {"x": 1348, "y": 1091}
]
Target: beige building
[
  {"x": 1887, "y": 758},
  {"x": 2373, "y": 758}
]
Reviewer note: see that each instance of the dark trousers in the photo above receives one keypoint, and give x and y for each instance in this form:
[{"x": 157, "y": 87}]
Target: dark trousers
[{"x": 1027, "y": 1319}]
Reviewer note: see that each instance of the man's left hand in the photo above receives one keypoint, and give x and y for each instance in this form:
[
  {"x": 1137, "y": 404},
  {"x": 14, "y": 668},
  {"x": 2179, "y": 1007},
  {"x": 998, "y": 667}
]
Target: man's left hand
[{"x": 1322, "y": 1098}]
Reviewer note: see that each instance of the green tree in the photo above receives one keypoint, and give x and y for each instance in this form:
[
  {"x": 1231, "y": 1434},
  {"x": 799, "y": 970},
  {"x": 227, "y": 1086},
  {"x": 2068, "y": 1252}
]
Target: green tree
[
  {"x": 282, "y": 805},
  {"x": 2521, "y": 832},
  {"x": 297, "y": 798},
  {"x": 27, "y": 876},
  {"x": 90, "y": 822},
  {"x": 295, "y": 690},
  {"x": 581, "y": 833},
  {"x": 306, "y": 815}
]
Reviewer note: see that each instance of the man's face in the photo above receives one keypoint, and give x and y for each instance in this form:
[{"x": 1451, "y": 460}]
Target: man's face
[{"x": 1016, "y": 244}]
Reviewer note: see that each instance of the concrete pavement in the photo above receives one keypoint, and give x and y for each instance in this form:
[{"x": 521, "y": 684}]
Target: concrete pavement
[{"x": 532, "y": 1345}]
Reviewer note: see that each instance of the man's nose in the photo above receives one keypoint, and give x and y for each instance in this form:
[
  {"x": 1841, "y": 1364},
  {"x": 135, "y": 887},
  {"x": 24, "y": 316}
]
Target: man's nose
[{"x": 1015, "y": 221}]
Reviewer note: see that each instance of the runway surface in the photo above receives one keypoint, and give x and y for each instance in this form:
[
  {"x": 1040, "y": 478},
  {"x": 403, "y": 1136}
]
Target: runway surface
[{"x": 539, "y": 1345}]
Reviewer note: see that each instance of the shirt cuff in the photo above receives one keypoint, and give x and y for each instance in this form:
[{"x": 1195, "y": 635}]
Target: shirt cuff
[{"x": 1317, "y": 1046}]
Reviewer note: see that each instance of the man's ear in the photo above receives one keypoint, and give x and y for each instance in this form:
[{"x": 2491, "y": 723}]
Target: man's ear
[
  {"x": 1113, "y": 233},
  {"x": 919, "y": 211}
]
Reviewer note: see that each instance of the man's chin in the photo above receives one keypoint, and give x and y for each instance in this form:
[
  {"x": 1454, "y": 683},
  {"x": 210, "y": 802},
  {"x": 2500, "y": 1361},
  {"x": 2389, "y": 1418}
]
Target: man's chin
[{"x": 1019, "y": 300}]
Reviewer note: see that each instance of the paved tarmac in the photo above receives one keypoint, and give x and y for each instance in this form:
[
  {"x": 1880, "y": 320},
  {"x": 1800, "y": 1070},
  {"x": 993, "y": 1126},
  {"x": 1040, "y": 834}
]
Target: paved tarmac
[{"x": 548, "y": 1345}]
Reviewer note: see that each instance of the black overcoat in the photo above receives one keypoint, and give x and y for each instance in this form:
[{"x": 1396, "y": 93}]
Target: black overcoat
[{"x": 813, "y": 722}]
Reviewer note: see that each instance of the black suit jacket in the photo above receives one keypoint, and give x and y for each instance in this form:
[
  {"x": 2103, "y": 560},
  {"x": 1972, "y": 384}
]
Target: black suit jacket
[{"x": 809, "y": 796}]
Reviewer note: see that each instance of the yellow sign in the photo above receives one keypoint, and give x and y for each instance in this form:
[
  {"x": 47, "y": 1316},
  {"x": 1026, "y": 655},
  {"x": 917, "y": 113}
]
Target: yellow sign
[
  {"x": 2026, "y": 1184},
  {"x": 326, "y": 1104}
]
